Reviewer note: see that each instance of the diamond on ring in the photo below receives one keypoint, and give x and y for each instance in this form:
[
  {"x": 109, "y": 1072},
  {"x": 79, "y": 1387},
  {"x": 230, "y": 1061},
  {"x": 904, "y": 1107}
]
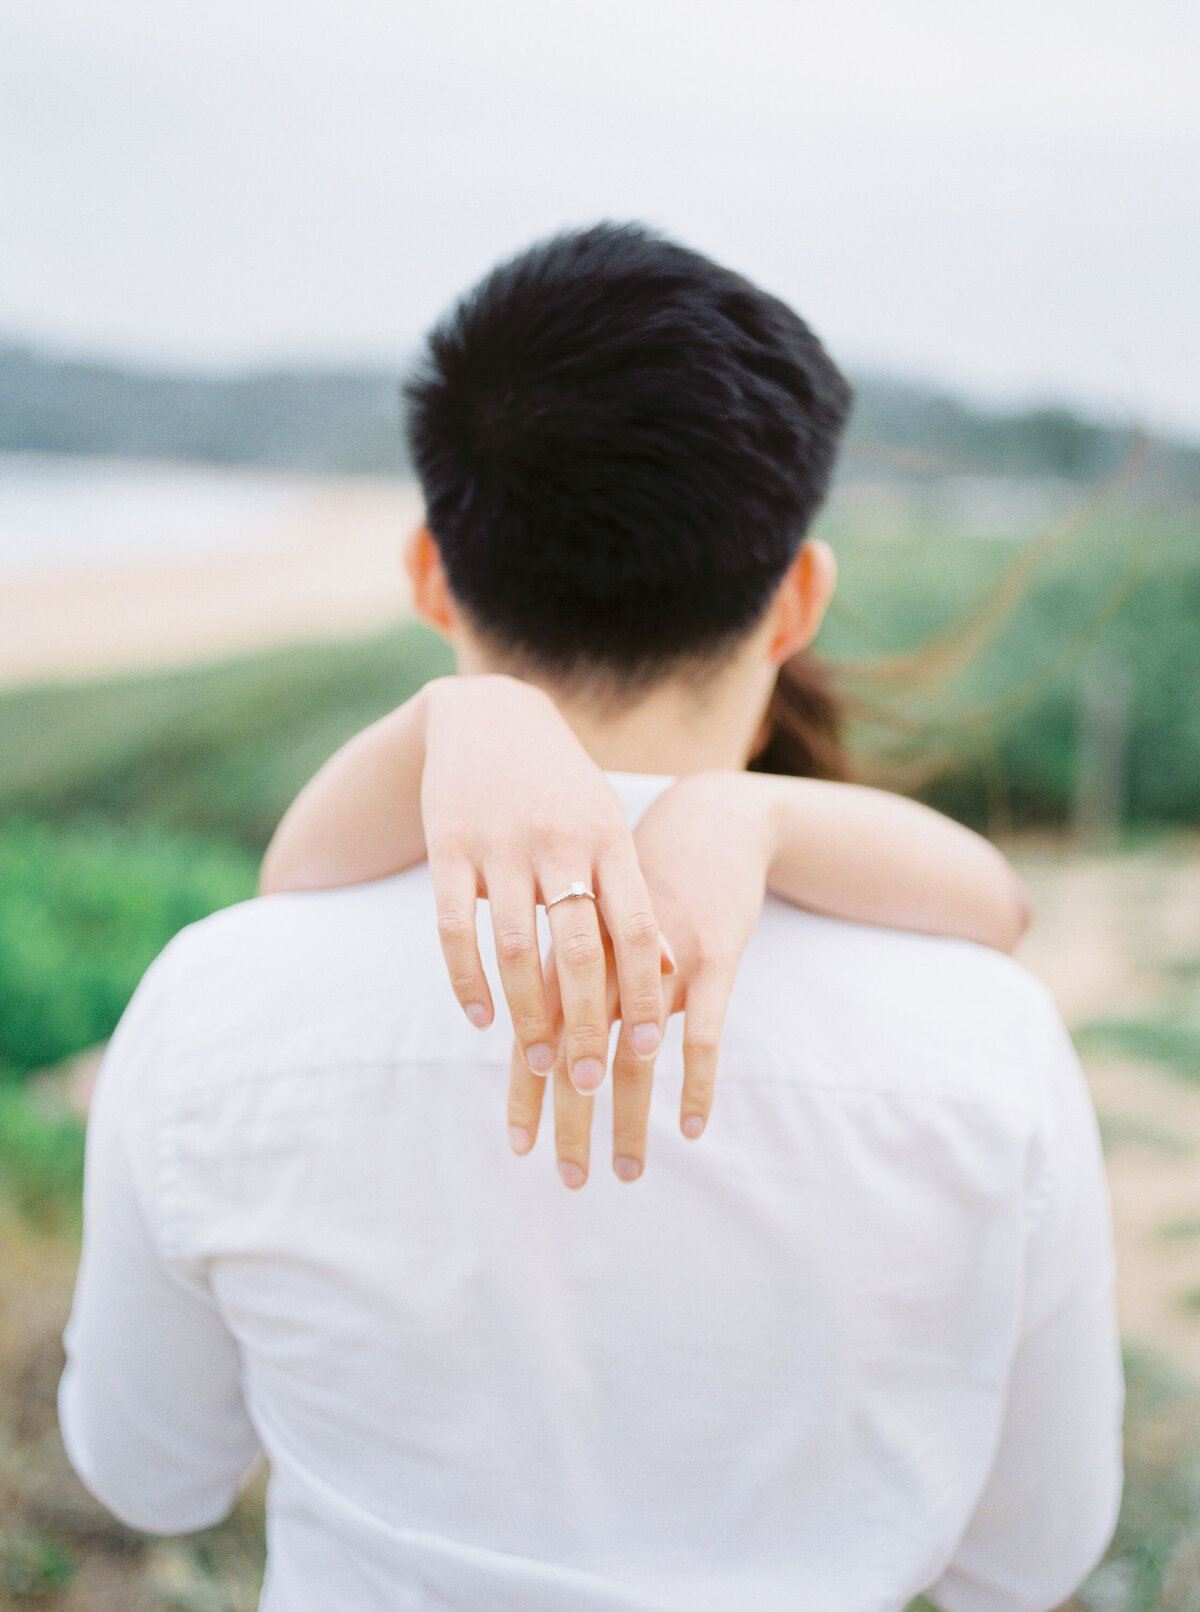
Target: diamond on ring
[{"x": 578, "y": 891}]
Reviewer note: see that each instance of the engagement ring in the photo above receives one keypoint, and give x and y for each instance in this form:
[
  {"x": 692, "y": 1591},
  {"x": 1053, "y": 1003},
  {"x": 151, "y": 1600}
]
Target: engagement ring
[{"x": 574, "y": 892}]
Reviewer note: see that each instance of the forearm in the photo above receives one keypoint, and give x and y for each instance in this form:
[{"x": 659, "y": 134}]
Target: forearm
[
  {"x": 360, "y": 817},
  {"x": 872, "y": 857}
]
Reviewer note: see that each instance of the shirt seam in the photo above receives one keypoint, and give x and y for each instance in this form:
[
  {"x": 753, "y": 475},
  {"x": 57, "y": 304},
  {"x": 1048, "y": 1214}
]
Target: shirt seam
[{"x": 384, "y": 1064}]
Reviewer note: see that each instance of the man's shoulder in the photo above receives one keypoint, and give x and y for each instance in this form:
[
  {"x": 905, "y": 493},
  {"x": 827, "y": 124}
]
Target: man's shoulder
[
  {"x": 903, "y": 1012},
  {"x": 320, "y": 977},
  {"x": 297, "y": 927}
]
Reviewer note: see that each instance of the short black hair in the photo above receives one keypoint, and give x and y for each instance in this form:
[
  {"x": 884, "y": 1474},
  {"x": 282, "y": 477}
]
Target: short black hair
[{"x": 621, "y": 446}]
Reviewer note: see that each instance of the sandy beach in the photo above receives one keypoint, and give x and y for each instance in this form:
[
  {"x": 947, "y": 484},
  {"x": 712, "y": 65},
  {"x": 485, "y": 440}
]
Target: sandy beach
[{"x": 326, "y": 568}]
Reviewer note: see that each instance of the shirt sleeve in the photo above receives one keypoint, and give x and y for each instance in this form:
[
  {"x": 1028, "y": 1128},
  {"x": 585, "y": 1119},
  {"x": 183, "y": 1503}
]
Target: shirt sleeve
[
  {"x": 1050, "y": 1503},
  {"x": 150, "y": 1403}
]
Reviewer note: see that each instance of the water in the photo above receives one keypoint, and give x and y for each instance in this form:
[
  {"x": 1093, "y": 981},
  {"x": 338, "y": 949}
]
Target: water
[{"x": 59, "y": 510}]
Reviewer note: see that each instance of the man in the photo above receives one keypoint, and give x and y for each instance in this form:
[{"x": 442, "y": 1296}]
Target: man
[{"x": 855, "y": 1345}]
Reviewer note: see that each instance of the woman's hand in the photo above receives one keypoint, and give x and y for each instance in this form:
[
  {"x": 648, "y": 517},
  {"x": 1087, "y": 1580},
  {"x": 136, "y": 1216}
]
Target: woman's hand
[
  {"x": 705, "y": 847},
  {"x": 514, "y": 809}
]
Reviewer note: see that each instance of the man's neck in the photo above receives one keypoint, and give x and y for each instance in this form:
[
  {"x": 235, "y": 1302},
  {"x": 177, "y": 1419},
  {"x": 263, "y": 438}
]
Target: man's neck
[
  {"x": 680, "y": 727},
  {"x": 661, "y": 734}
]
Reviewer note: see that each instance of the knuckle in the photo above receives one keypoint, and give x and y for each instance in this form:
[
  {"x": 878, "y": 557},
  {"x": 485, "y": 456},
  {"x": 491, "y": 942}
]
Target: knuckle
[
  {"x": 587, "y": 1037},
  {"x": 454, "y": 926},
  {"x": 554, "y": 839},
  {"x": 715, "y": 961},
  {"x": 632, "y": 1071},
  {"x": 528, "y": 1025},
  {"x": 642, "y": 1002},
  {"x": 448, "y": 845},
  {"x": 581, "y": 951},
  {"x": 630, "y": 1139},
  {"x": 640, "y": 930},
  {"x": 514, "y": 946},
  {"x": 702, "y": 1040}
]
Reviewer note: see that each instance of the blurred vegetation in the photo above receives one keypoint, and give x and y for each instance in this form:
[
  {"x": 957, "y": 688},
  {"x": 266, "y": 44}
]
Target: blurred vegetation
[
  {"x": 1153, "y": 1564},
  {"x": 41, "y": 1162},
  {"x": 84, "y": 909},
  {"x": 218, "y": 750},
  {"x": 131, "y": 808},
  {"x": 1161, "y": 1040},
  {"x": 973, "y": 665},
  {"x": 33, "y": 1568}
]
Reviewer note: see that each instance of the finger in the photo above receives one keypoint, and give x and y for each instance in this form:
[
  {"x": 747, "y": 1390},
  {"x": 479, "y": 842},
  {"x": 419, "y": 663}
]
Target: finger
[
  {"x": 704, "y": 1019},
  {"x": 518, "y": 957},
  {"x": 454, "y": 893},
  {"x": 637, "y": 949},
  {"x": 572, "y": 1126},
  {"x": 633, "y": 1081},
  {"x": 582, "y": 975},
  {"x": 526, "y": 1092}
]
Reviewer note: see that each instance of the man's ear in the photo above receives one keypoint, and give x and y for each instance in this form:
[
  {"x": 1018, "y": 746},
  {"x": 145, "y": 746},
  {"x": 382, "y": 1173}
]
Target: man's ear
[
  {"x": 802, "y": 599},
  {"x": 432, "y": 599}
]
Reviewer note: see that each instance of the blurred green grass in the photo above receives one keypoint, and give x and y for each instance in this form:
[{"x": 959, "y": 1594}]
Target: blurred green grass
[
  {"x": 217, "y": 750},
  {"x": 84, "y": 909},
  {"x": 41, "y": 1163},
  {"x": 1162, "y": 1040}
]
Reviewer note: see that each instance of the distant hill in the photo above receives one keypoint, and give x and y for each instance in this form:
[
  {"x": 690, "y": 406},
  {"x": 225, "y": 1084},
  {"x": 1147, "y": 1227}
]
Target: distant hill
[
  {"x": 908, "y": 425},
  {"x": 349, "y": 421},
  {"x": 309, "y": 420}
]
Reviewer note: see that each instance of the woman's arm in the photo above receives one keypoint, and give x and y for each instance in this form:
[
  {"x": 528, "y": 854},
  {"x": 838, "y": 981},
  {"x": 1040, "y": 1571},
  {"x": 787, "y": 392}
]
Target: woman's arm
[
  {"x": 870, "y": 856},
  {"x": 840, "y": 849},
  {"x": 359, "y": 818}
]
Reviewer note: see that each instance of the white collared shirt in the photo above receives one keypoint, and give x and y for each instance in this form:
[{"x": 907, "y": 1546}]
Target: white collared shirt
[{"x": 856, "y": 1343}]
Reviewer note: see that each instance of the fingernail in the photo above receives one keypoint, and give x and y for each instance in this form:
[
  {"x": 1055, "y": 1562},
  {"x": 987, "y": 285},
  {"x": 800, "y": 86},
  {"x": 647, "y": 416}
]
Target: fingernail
[
  {"x": 573, "y": 1175},
  {"x": 587, "y": 1075},
  {"x": 645, "y": 1039},
  {"x": 626, "y": 1169},
  {"x": 669, "y": 965},
  {"x": 540, "y": 1058},
  {"x": 693, "y": 1126},
  {"x": 478, "y": 1015},
  {"x": 520, "y": 1139}
]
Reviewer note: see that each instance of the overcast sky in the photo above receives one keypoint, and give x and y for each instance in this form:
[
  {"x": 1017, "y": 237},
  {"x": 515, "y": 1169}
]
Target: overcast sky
[{"x": 1003, "y": 195}]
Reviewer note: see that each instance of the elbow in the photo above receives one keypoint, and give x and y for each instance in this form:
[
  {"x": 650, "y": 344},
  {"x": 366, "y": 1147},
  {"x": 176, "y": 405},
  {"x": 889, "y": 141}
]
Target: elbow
[
  {"x": 1006, "y": 908},
  {"x": 277, "y": 875},
  {"x": 272, "y": 879},
  {"x": 282, "y": 875},
  {"x": 1019, "y": 912},
  {"x": 175, "y": 1508},
  {"x": 142, "y": 1490},
  {"x": 153, "y": 1516}
]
